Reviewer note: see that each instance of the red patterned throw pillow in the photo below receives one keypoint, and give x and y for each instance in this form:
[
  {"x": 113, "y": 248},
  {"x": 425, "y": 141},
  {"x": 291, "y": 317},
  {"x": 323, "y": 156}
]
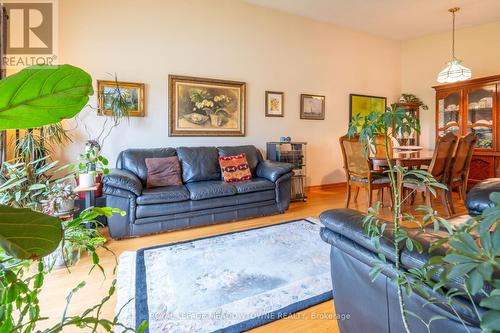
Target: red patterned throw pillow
[{"x": 235, "y": 168}]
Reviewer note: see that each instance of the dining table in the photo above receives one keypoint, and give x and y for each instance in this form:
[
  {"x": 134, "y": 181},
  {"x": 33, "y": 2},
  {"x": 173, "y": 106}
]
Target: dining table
[{"x": 410, "y": 159}]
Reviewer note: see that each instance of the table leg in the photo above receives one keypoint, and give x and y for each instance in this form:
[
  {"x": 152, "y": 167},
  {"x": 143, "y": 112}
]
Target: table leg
[{"x": 89, "y": 202}]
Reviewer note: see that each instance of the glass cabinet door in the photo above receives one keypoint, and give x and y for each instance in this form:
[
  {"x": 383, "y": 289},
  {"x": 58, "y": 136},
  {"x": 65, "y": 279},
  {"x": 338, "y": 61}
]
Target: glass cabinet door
[
  {"x": 449, "y": 116},
  {"x": 481, "y": 116}
]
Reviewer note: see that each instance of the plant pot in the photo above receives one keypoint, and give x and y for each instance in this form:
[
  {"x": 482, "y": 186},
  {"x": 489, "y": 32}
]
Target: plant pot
[
  {"x": 86, "y": 179},
  {"x": 65, "y": 206},
  {"x": 59, "y": 259}
]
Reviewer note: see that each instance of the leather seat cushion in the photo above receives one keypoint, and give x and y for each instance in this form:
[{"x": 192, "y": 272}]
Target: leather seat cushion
[
  {"x": 253, "y": 185},
  {"x": 143, "y": 211},
  {"x": 210, "y": 189},
  {"x": 163, "y": 194},
  {"x": 199, "y": 163}
]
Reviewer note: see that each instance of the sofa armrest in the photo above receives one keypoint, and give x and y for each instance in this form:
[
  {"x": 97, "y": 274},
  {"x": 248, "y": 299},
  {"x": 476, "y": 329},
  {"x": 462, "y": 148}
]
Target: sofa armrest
[
  {"x": 123, "y": 179},
  {"x": 272, "y": 170}
]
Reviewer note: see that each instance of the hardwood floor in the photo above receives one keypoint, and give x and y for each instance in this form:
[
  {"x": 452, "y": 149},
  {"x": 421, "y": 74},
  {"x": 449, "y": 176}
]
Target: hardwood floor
[{"x": 320, "y": 318}]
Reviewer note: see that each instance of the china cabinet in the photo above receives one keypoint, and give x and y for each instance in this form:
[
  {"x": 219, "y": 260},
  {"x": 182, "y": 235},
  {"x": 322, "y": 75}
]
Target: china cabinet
[{"x": 473, "y": 106}]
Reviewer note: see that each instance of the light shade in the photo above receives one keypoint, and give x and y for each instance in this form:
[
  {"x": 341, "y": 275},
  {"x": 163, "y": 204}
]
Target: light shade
[{"x": 454, "y": 72}]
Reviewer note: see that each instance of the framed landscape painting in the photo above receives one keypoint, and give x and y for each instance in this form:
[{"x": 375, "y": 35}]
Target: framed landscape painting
[
  {"x": 275, "y": 104},
  {"x": 133, "y": 93},
  {"x": 312, "y": 107},
  {"x": 206, "y": 107},
  {"x": 365, "y": 104}
]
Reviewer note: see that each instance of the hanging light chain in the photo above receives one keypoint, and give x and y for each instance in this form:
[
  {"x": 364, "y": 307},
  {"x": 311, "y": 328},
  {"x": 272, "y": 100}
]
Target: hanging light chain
[{"x": 453, "y": 11}]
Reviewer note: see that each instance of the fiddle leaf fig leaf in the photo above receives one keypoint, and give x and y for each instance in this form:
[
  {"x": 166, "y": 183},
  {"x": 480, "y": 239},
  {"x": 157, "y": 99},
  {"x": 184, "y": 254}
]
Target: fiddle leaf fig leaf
[
  {"x": 42, "y": 95},
  {"x": 25, "y": 234}
]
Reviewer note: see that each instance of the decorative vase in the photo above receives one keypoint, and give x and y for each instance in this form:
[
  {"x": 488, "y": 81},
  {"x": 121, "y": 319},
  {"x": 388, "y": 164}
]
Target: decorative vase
[
  {"x": 86, "y": 179},
  {"x": 214, "y": 120}
]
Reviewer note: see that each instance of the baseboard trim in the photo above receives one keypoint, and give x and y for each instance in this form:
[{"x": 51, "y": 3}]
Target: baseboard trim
[{"x": 326, "y": 187}]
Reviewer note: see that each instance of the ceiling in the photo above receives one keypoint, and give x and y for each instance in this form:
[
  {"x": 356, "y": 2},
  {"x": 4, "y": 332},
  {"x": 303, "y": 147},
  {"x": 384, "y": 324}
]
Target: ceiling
[{"x": 396, "y": 19}]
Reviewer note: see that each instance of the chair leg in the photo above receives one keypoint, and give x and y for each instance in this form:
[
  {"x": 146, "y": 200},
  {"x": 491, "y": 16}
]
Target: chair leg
[
  {"x": 444, "y": 201},
  {"x": 356, "y": 192},
  {"x": 450, "y": 200},
  {"x": 348, "y": 198},
  {"x": 427, "y": 195},
  {"x": 391, "y": 196},
  {"x": 369, "y": 196},
  {"x": 463, "y": 190},
  {"x": 412, "y": 197}
]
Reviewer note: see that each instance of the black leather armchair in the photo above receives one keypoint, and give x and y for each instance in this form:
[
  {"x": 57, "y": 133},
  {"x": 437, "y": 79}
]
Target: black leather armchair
[
  {"x": 203, "y": 198},
  {"x": 373, "y": 306}
]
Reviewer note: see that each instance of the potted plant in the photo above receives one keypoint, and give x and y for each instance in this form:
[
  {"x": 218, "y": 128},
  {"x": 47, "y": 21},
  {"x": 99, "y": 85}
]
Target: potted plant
[
  {"x": 91, "y": 162},
  {"x": 60, "y": 199}
]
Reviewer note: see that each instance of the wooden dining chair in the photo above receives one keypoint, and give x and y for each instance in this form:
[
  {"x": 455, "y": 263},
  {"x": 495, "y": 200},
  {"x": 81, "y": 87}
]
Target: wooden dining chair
[
  {"x": 359, "y": 171},
  {"x": 438, "y": 168},
  {"x": 458, "y": 174}
]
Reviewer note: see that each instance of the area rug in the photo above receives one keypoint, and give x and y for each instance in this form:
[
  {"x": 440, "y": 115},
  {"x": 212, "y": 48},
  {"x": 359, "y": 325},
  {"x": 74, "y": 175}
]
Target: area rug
[{"x": 225, "y": 283}]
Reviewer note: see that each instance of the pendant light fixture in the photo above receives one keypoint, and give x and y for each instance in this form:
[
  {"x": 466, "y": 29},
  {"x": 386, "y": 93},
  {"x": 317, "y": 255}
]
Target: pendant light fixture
[{"x": 454, "y": 71}]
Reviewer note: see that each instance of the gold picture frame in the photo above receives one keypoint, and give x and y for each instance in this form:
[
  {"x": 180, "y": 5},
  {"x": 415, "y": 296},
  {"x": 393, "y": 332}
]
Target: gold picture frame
[
  {"x": 133, "y": 91},
  {"x": 206, "y": 107},
  {"x": 275, "y": 104},
  {"x": 312, "y": 107}
]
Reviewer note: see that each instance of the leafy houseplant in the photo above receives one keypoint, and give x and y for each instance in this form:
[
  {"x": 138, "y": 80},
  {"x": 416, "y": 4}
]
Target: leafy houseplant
[
  {"x": 411, "y": 98},
  {"x": 27, "y": 182},
  {"x": 59, "y": 199},
  {"x": 89, "y": 164},
  {"x": 39, "y": 96},
  {"x": 475, "y": 261}
]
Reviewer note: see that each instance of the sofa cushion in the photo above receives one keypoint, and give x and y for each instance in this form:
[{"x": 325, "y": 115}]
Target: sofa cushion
[
  {"x": 210, "y": 189},
  {"x": 235, "y": 168},
  {"x": 134, "y": 160},
  {"x": 253, "y": 154},
  {"x": 164, "y": 194},
  {"x": 199, "y": 163},
  {"x": 163, "y": 171},
  {"x": 145, "y": 211},
  {"x": 253, "y": 185}
]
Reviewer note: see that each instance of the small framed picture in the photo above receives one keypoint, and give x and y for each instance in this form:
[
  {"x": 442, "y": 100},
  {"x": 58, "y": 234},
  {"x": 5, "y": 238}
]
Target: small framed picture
[
  {"x": 133, "y": 93},
  {"x": 275, "y": 104},
  {"x": 312, "y": 107}
]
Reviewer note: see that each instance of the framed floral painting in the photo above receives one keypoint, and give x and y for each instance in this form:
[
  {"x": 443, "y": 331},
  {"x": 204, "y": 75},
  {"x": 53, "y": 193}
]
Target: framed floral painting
[
  {"x": 206, "y": 107},
  {"x": 275, "y": 104},
  {"x": 133, "y": 94}
]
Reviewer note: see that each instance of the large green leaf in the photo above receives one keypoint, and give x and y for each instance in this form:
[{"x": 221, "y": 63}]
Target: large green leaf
[
  {"x": 42, "y": 95},
  {"x": 25, "y": 234}
]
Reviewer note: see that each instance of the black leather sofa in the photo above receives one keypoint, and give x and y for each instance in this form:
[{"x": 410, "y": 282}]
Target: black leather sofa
[
  {"x": 373, "y": 306},
  {"x": 204, "y": 198}
]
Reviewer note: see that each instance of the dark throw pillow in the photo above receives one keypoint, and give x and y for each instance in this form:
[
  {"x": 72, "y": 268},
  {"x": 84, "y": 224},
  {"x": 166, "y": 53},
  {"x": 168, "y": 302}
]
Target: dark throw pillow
[{"x": 163, "y": 171}]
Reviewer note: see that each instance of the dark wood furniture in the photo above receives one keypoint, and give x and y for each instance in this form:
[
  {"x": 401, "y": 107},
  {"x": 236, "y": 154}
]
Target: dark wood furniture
[
  {"x": 460, "y": 166},
  {"x": 412, "y": 109},
  {"x": 359, "y": 171},
  {"x": 472, "y": 106},
  {"x": 439, "y": 169}
]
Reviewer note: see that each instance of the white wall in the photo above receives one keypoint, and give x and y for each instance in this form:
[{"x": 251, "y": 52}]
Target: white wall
[
  {"x": 144, "y": 41},
  {"x": 423, "y": 58}
]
